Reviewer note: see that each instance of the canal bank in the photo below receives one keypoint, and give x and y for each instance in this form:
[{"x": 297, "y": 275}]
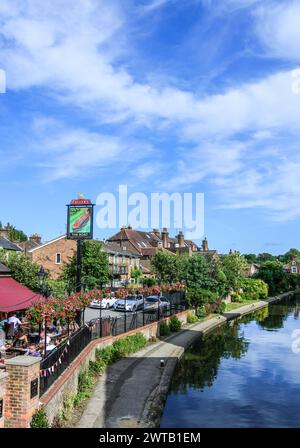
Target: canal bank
[{"x": 132, "y": 392}]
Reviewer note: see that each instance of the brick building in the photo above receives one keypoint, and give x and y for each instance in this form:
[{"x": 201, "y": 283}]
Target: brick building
[
  {"x": 53, "y": 254},
  {"x": 293, "y": 267}
]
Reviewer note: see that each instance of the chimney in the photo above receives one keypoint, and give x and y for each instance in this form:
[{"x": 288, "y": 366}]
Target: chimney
[
  {"x": 4, "y": 233},
  {"x": 205, "y": 245},
  {"x": 156, "y": 232},
  {"x": 165, "y": 238},
  {"x": 180, "y": 238},
  {"x": 36, "y": 238}
]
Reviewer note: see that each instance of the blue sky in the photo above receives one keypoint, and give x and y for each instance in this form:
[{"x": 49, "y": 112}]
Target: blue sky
[{"x": 161, "y": 95}]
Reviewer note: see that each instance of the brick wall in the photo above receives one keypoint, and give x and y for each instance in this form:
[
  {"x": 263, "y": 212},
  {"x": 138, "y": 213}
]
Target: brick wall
[
  {"x": 3, "y": 377},
  {"x": 46, "y": 255},
  {"x": 19, "y": 405}
]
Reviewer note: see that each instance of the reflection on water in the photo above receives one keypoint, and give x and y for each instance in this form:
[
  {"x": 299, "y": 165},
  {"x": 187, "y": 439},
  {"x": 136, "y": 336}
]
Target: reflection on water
[{"x": 244, "y": 374}]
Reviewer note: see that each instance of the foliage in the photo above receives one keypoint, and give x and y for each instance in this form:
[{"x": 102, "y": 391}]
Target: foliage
[
  {"x": 136, "y": 274},
  {"x": 191, "y": 318},
  {"x": 149, "y": 281},
  {"x": 164, "y": 329},
  {"x": 169, "y": 267},
  {"x": 95, "y": 266},
  {"x": 39, "y": 419},
  {"x": 14, "y": 234},
  {"x": 198, "y": 296},
  {"x": 252, "y": 289},
  {"x": 201, "y": 312},
  {"x": 233, "y": 266},
  {"x": 271, "y": 272},
  {"x": 251, "y": 258},
  {"x": 290, "y": 254},
  {"x": 174, "y": 324},
  {"x": 22, "y": 268},
  {"x": 199, "y": 274},
  {"x": 265, "y": 256},
  {"x": 58, "y": 288}
]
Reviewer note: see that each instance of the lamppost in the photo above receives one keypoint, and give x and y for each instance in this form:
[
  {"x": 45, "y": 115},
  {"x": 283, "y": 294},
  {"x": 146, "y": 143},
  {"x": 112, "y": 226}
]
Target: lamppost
[
  {"x": 125, "y": 320},
  {"x": 100, "y": 313},
  {"x": 42, "y": 275}
]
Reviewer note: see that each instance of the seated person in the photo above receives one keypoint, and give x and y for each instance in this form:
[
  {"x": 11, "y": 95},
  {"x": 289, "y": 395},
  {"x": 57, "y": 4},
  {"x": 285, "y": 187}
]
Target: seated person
[
  {"x": 42, "y": 338},
  {"x": 32, "y": 351},
  {"x": 20, "y": 339},
  {"x": 2, "y": 338}
]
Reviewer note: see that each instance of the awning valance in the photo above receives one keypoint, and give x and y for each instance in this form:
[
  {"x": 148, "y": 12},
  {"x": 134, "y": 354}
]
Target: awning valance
[{"x": 14, "y": 296}]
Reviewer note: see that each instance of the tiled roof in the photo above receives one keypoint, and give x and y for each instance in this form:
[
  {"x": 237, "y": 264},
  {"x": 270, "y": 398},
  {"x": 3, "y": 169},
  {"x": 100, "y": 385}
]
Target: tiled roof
[
  {"x": 8, "y": 245},
  {"x": 117, "y": 250}
]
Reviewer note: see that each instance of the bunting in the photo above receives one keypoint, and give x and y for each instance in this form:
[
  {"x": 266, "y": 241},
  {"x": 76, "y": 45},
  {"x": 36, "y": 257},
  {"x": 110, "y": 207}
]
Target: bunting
[{"x": 50, "y": 370}]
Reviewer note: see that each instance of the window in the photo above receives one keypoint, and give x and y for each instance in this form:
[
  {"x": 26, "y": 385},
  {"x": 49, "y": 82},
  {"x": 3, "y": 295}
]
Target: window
[
  {"x": 123, "y": 259},
  {"x": 116, "y": 259},
  {"x": 294, "y": 269},
  {"x": 58, "y": 258}
]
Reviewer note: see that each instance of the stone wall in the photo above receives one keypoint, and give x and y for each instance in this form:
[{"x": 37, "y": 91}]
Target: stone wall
[{"x": 67, "y": 384}]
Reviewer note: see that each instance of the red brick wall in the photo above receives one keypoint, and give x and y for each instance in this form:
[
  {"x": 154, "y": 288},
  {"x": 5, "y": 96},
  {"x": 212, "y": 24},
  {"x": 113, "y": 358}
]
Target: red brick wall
[
  {"x": 46, "y": 256},
  {"x": 19, "y": 406},
  {"x": 3, "y": 377}
]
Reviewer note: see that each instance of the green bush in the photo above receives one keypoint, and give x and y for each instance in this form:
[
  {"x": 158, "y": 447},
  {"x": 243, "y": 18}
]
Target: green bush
[
  {"x": 201, "y": 312},
  {"x": 164, "y": 329},
  {"x": 221, "y": 307},
  {"x": 174, "y": 324},
  {"x": 191, "y": 318},
  {"x": 40, "y": 420}
]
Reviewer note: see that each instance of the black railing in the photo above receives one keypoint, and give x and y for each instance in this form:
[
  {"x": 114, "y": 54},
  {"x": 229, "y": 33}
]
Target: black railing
[{"x": 56, "y": 362}]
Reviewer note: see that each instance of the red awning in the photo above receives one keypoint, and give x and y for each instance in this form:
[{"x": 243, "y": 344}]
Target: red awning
[{"x": 14, "y": 296}]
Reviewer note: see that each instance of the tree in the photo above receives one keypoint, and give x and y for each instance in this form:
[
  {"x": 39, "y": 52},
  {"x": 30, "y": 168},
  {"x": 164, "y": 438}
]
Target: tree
[
  {"x": 22, "y": 269},
  {"x": 290, "y": 254},
  {"x": 251, "y": 258},
  {"x": 272, "y": 273},
  {"x": 135, "y": 274},
  {"x": 265, "y": 256},
  {"x": 95, "y": 266},
  {"x": 252, "y": 289},
  {"x": 163, "y": 264},
  {"x": 200, "y": 274},
  {"x": 233, "y": 265}
]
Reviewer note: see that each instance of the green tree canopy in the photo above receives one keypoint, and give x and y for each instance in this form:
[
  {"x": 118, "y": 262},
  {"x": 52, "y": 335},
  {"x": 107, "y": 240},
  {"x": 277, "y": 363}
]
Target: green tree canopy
[
  {"x": 233, "y": 266},
  {"x": 22, "y": 268},
  {"x": 95, "y": 266},
  {"x": 271, "y": 272}
]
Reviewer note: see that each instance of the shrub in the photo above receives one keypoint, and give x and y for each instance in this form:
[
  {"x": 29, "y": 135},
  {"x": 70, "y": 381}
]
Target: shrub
[
  {"x": 191, "y": 318},
  {"x": 174, "y": 324},
  {"x": 40, "y": 420},
  {"x": 164, "y": 329},
  {"x": 201, "y": 312},
  {"x": 220, "y": 307}
]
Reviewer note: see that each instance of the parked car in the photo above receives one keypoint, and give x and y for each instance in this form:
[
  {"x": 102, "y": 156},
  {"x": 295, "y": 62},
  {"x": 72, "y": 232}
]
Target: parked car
[
  {"x": 105, "y": 303},
  {"x": 153, "y": 302},
  {"x": 133, "y": 303}
]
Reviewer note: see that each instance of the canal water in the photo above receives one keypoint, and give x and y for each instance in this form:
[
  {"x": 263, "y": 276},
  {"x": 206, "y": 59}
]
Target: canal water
[{"x": 244, "y": 374}]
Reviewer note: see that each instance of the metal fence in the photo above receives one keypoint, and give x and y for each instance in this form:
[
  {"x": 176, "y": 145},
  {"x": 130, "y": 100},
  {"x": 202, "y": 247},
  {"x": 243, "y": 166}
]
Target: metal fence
[{"x": 56, "y": 362}]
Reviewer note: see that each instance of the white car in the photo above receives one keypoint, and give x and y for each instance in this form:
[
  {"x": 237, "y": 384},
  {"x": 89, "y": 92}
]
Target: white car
[{"x": 105, "y": 303}]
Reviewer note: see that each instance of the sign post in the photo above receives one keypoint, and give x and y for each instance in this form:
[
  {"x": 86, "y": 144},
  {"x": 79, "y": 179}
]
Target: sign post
[{"x": 79, "y": 228}]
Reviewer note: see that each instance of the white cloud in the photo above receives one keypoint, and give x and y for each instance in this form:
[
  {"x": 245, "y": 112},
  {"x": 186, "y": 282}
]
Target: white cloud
[
  {"x": 68, "y": 152},
  {"x": 41, "y": 49},
  {"x": 278, "y": 27}
]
